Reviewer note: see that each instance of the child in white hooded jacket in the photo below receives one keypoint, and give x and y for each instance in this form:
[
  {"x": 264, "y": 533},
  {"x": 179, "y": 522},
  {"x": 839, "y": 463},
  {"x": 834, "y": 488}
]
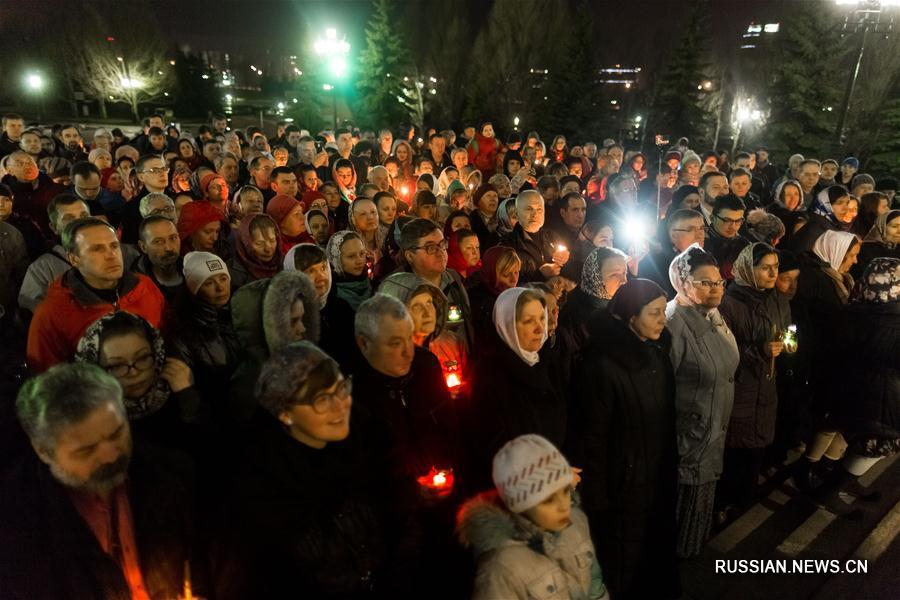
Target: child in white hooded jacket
[{"x": 529, "y": 538}]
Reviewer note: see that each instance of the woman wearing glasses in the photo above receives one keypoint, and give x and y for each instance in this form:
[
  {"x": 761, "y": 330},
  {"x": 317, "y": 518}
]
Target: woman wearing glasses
[
  {"x": 704, "y": 357},
  {"x": 158, "y": 392},
  {"x": 308, "y": 493},
  {"x": 757, "y": 316}
]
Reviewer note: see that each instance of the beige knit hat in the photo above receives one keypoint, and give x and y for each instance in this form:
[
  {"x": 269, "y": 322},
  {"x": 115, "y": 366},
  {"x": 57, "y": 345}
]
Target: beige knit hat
[{"x": 528, "y": 470}]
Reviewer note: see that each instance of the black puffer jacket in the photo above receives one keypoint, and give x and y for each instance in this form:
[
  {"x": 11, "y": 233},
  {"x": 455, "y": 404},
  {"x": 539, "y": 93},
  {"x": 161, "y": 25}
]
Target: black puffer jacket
[
  {"x": 626, "y": 422},
  {"x": 754, "y": 318},
  {"x": 204, "y": 338},
  {"x": 866, "y": 384}
]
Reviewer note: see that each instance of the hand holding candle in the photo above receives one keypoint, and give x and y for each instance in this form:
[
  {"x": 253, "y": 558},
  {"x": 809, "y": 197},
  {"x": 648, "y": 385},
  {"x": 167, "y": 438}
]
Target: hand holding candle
[
  {"x": 560, "y": 254},
  {"x": 789, "y": 338}
]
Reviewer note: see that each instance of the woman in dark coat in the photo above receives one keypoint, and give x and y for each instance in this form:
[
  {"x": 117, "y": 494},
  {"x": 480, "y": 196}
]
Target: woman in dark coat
[
  {"x": 788, "y": 206},
  {"x": 512, "y": 392},
  {"x": 201, "y": 333},
  {"x": 307, "y": 511},
  {"x": 823, "y": 289},
  {"x": 626, "y": 418},
  {"x": 883, "y": 239},
  {"x": 866, "y": 395},
  {"x": 756, "y": 315},
  {"x": 484, "y": 218}
]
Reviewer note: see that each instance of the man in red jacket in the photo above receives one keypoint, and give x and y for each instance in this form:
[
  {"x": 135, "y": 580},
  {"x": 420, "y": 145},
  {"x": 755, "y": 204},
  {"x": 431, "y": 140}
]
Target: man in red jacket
[{"x": 97, "y": 285}]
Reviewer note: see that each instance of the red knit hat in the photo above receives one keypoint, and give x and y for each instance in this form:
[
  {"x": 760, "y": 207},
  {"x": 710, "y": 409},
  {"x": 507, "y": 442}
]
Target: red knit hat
[
  {"x": 280, "y": 207},
  {"x": 195, "y": 215}
]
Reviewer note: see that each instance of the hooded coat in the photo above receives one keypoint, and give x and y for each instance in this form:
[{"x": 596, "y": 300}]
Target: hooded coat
[
  {"x": 626, "y": 425},
  {"x": 260, "y": 314},
  {"x": 516, "y": 559}
]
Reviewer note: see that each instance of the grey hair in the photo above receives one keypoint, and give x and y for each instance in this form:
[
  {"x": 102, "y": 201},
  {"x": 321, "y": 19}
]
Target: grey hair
[
  {"x": 372, "y": 311},
  {"x": 144, "y": 208},
  {"x": 220, "y": 160},
  {"x": 522, "y": 199},
  {"x": 64, "y": 395}
]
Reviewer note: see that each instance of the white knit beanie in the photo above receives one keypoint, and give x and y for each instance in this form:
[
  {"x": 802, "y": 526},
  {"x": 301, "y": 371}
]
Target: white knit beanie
[
  {"x": 528, "y": 470},
  {"x": 200, "y": 266}
]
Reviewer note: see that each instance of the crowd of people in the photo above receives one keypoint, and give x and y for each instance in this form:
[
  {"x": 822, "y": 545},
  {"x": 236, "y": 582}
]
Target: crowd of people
[{"x": 260, "y": 364}]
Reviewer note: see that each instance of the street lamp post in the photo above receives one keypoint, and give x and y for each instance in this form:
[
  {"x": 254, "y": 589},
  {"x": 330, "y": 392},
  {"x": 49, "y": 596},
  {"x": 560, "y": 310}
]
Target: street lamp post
[
  {"x": 334, "y": 51},
  {"x": 865, "y": 18}
]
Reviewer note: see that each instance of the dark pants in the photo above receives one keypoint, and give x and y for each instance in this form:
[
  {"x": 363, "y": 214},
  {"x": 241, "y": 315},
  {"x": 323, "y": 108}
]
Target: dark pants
[{"x": 739, "y": 476}]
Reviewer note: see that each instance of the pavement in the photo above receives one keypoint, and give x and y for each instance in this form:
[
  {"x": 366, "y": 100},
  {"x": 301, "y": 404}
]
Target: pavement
[{"x": 794, "y": 550}]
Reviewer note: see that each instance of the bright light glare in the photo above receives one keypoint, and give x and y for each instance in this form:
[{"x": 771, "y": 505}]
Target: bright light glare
[
  {"x": 327, "y": 87},
  {"x": 34, "y": 81},
  {"x": 281, "y": 106},
  {"x": 634, "y": 229},
  {"x": 516, "y": 121},
  {"x": 338, "y": 67},
  {"x": 130, "y": 83},
  {"x": 743, "y": 114},
  {"x": 638, "y": 119}
]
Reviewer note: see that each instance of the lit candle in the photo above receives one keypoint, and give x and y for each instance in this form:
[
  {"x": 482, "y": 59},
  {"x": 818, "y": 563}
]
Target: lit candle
[
  {"x": 188, "y": 593},
  {"x": 438, "y": 482},
  {"x": 454, "y": 315},
  {"x": 453, "y": 381},
  {"x": 404, "y": 191},
  {"x": 789, "y": 338},
  {"x": 561, "y": 248}
]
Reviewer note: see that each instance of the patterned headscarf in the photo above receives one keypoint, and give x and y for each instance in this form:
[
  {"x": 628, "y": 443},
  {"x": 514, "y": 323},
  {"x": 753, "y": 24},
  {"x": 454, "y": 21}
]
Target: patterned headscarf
[
  {"x": 880, "y": 283},
  {"x": 592, "y": 275},
  {"x": 333, "y": 249},
  {"x": 743, "y": 266},
  {"x": 680, "y": 277},
  {"x": 89, "y": 349},
  {"x": 822, "y": 202},
  {"x": 877, "y": 233}
]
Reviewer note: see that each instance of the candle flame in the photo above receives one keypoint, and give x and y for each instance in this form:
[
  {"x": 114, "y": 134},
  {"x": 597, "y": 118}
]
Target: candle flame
[
  {"x": 561, "y": 248},
  {"x": 439, "y": 479},
  {"x": 453, "y": 381}
]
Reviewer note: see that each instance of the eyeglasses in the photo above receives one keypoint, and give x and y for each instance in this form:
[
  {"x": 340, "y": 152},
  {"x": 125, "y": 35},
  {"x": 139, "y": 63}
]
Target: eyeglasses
[
  {"x": 709, "y": 284},
  {"x": 433, "y": 248},
  {"x": 324, "y": 402},
  {"x": 123, "y": 369},
  {"x": 692, "y": 230},
  {"x": 730, "y": 221},
  {"x": 156, "y": 170}
]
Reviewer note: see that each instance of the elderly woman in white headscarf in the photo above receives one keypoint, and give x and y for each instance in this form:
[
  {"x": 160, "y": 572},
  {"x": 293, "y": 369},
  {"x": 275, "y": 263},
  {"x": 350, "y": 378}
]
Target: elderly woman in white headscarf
[
  {"x": 512, "y": 392},
  {"x": 704, "y": 358}
]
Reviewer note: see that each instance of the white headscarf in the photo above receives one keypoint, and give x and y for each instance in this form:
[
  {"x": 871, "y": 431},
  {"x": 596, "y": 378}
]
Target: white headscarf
[
  {"x": 505, "y": 322},
  {"x": 832, "y": 246},
  {"x": 290, "y": 265}
]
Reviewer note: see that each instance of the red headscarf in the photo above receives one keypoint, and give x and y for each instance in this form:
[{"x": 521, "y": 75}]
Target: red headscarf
[
  {"x": 194, "y": 216},
  {"x": 244, "y": 241},
  {"x": 489, "y": 266},
  {"x": 105, "y": 174},
  {"x": 455, "y": 259}
]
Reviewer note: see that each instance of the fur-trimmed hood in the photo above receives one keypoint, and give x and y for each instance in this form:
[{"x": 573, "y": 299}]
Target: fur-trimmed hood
[
  {"x": 261, "y": 312},
  {"x": 284, "y": 289},
  {"x": 483, "y": 524}
]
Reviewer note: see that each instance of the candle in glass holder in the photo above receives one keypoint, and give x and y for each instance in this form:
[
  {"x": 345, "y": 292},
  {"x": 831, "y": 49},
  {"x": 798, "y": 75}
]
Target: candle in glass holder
[
  {"x": 789, "y": 338},
  {"x": 454, "y": 315}
]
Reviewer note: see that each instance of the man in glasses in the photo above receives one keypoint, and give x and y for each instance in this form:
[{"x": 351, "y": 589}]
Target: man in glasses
[
  {"x": 425, "y": 250},
  {"x": 724, "y": 240},
  {"x": 685, "y": 227},
  {"x": 153, "y": 173}
]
